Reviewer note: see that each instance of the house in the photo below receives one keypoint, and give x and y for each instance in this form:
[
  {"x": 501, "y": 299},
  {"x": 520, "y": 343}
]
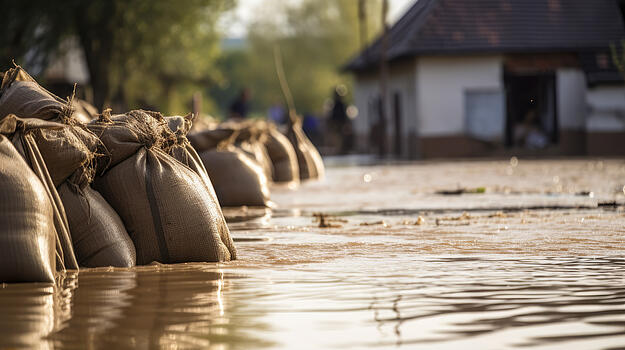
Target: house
[{"x": 495, "y": 77}]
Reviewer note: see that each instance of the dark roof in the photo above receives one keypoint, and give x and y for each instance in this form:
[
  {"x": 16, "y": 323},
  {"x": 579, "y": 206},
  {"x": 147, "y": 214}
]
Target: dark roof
[
  {"x": 600, "y": 68},
  {"x": 502, "y": 26}
]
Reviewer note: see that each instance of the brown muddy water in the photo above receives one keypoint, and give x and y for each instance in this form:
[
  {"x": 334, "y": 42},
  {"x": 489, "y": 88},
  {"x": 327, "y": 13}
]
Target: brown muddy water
[{"x": 536, "y": 261}]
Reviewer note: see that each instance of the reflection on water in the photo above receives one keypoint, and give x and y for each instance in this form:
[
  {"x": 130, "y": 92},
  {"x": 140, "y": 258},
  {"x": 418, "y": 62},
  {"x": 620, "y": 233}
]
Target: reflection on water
[{"x": 442, "y": 302}]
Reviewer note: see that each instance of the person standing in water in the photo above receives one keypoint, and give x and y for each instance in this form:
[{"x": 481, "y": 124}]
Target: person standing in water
[{"x": 340, "y": 124}]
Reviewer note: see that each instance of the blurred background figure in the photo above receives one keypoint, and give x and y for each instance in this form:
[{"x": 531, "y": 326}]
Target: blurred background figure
[
  {"x": 277, "y": 114},
  {"x": 339, "y": 124},
  {"x": 240, "y": 106}
]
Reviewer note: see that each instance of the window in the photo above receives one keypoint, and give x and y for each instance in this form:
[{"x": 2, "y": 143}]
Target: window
[{"x": 484, "y": 112}]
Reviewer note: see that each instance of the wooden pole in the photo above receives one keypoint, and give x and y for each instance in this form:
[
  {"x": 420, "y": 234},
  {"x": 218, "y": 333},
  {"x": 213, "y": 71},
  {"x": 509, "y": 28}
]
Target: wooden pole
[{"x": 383, "y": 82}]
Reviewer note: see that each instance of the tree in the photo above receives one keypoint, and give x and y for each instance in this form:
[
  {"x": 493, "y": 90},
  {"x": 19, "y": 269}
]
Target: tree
[
  {"x": 138, "y": 52},
  {"x": 316, "y": 37}
]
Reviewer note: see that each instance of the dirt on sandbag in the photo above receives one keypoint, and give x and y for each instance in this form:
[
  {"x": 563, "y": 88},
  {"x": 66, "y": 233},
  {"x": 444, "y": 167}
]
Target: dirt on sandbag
[
  {"x": 166, "y": 209},
  {"x": 238, "y": 179},
  {"x": 98, "y": 233},
  {"x": 183, "y": 152},
  {"x": 21, "y": 95},
  {"x": 282, "y": 156},
  {"x": 27, "y": 232},
  {"x": 20, "y": 132},
  {"x": 308, "y": 157}
]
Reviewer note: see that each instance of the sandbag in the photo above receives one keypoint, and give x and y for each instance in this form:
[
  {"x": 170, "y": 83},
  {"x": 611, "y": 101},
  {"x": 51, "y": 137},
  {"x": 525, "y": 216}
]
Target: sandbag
[
  {"x": 83, "y": 111},
  {"x": 256, "y": 150},
  {"x": 66, "y": 149},
  {"x": 165, "y": 207},
  {"x": 20, "y": 132},
  {"x": 183, "y": 152},
  {"x": 282, "y": 156},
  {"x": 98, "y": 233},
  {"x": 209, "y": 139},
  {"x": 238, "y": 179},
  {"x": 21, "y": 95},
  {"x": 308, "y": 158},
  {"x": 27, "y": 232}
]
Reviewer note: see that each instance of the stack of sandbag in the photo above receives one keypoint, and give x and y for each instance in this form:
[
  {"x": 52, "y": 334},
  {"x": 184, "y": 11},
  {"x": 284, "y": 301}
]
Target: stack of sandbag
[
  {"x": 27, "y": 233},
  {"x": 68, "y": 149},
  {"x": 282, "y": 156},
  {"x": 31, "y": 211},
  {"x": 166, "y": 207},
  {"x": 98, "y": 233},
  {"x": 309, "y": 160},
  {"x": 239, "y": 180}
]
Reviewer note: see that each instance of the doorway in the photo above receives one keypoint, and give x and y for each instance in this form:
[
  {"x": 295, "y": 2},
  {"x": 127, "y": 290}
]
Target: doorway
[
  {"x": 397, "y": 142},
  {"x": 531, "y": 116}
]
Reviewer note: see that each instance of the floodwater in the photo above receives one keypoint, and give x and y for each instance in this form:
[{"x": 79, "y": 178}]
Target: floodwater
[{"x": 531, "y": 256}]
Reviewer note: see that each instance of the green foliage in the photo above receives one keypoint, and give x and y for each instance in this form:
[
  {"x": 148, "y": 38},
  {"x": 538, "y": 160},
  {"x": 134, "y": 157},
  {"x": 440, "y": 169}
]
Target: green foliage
[
  {"x": 30, "y": 32},
  {"x": 618, "y": 58},
  {"x": 139, "y": 53},
  {"x": 316, "y": 37}
]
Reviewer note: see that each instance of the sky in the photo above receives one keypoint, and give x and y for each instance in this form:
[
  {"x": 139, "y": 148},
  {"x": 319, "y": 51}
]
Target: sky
[{"x": 234, "y": 25}]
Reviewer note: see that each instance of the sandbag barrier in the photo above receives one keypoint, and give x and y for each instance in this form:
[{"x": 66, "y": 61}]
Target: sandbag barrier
[
  {"x": 126, "y": 189},
  {"x": 51, "y": 216},
  {"x": 168, "y": 209}
]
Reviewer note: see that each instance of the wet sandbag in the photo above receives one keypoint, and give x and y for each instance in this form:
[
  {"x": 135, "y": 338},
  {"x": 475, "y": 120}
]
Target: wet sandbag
[
  {"x": 21, "y": 95},
  {"x": 308, "y": 158},
  {"x": 98, "y": 233},
  {"x": 20, "y": 132},
  {"x": 27, "y": 232},
  {"x": 282, "y": 156},
  {"x": 238, "y": 179},
  {"x": 165, "y": 207},
  {"x": 183, "y": 152}
]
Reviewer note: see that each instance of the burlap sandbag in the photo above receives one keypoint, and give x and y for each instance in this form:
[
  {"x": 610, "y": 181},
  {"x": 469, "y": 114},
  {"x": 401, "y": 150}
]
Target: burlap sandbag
[
  {"x": 65, "y": 151},
  {"x": 183, "y": 152},
  {"x": 20, "y": 132},
  {"x": 238, "y": 179},
  {"x": 21, "y": 95},
  {"x": 27, "y": 232},
  {"x": 282, "y": 156},
  {"x": 308, "y": 158},
  {"x": 98, "y": 233},
  {"x": 167, "y": 211}
]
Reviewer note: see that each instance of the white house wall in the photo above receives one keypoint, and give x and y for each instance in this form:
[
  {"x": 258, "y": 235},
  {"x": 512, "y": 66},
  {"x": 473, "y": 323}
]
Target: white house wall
[
  {"x": 606, "y": 109},
  {"x": 571, "y": 97},
  {"x": 442, "y": 82},
  {"x": 367, "y": 90}
]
